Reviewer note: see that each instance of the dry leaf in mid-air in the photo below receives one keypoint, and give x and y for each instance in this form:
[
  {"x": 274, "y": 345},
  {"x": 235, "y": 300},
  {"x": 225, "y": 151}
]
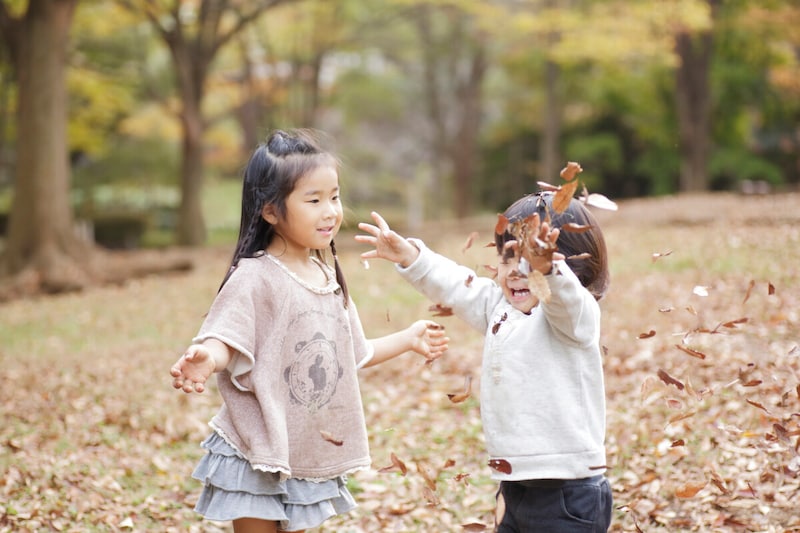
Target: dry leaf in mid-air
[
  {"x": 693, "y": 353},
  {"x": 441, "y": 310},
  {"x": 647, "y": 335},
  {"x": 538, "y": 286},
  {"x": 669, "y": 380},
  {"x": 470, "y": 240},
  {"x": 396, "y": 466},
  {"x": 462, "y": 396},
  {"x": 659, "y": 255}
]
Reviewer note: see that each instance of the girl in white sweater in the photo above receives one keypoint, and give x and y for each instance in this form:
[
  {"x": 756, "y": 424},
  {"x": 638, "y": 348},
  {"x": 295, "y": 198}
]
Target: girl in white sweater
[{"x": 542, "y": 393}]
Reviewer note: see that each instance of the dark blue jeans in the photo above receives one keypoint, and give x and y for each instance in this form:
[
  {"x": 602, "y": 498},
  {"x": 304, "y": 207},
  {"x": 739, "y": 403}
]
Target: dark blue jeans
[{"x": 555, "y": 506}]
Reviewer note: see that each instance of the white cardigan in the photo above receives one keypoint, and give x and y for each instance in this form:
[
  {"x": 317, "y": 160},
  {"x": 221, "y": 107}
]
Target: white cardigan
[{"x": 542, "y": 393}]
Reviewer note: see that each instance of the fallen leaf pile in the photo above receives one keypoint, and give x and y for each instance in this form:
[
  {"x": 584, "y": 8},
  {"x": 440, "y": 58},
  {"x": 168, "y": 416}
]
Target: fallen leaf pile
[{"x": 95, "y": 439}]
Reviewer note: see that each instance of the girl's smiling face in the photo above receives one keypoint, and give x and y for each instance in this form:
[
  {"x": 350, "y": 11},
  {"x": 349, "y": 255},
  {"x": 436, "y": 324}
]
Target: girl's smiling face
[
  {"x": 514, "y": 284},
  {"x": 313, "y": 212}
]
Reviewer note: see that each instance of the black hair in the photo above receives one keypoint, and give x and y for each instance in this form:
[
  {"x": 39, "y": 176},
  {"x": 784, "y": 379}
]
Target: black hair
[
  {"x": 591, "y": 270},
  {"x": 269, "y": 177}
]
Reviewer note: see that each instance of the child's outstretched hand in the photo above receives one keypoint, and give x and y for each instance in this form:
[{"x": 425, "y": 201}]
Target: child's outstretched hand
[
  {"x": 428, "y": 339},
  {"x": 538, "y": 247},
  {"x": 191, "y": 371},
  {"x": 388, "y": 244}
]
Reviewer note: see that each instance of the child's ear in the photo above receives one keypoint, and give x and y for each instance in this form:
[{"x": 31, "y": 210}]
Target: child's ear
[{"x": 268, "y": 214}]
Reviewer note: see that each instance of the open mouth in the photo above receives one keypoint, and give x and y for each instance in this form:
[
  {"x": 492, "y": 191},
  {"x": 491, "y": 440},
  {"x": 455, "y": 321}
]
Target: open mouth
[{"x": 520, "y": 293}]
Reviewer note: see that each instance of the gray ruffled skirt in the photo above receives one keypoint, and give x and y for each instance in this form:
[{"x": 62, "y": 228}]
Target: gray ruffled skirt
[{"x": 232, "y": 489}]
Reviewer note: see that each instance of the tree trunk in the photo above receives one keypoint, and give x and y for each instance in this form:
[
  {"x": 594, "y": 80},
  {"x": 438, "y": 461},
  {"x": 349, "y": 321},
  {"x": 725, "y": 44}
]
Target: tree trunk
[
  {"x": 551, "y": 131},
  {"x": 41, "y": 240},
  {"x": 466, "y": 142},
  {"x": 693, "y": 102}
]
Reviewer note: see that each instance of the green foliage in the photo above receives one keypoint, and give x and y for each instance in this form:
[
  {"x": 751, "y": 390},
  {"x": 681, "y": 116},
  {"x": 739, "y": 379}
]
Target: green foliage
[{"x": 729, "y": 167}]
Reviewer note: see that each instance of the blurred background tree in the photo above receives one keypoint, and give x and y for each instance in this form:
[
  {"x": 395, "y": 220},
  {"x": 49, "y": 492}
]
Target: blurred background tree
[{"x": 438, "y": 108}]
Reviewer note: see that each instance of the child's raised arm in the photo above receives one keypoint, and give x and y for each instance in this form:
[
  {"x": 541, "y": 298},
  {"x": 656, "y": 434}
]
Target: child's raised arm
[
  {"x": 424, "y": 337},
  {"x": 388, "y": 244}
]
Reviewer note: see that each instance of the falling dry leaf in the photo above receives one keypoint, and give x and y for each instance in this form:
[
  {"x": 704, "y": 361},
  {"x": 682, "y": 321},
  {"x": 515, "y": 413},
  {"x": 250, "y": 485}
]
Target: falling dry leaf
[
  {"x": 770, "y": 289},
  {"x": 470, "y": 240},
  {"x": 659, "y": 255},
  {"x": 756, "y": 404},
  {"x": 468, "y": 281},
  {"x": 330, "y": 438},
  {"x": 647, "y": 335},
  {"x": 572, "y": 227},
  {"x": 538, "y": 286},
  {"x": 474, "y": 526},
  {"x": 669, "y": 380},
  {"x": 693, "y": 353},
  {"x": 430, "y": 496},
  {"x": 601, "y": 202},
  {"x": 396, "y": 466},
  {"x": 427, "y": 475},
  {"x": 546, "y": 187},
  {"x": 584, "y": 255},
  {"x": 749, "y": 290},
  {"x": 441, "y": 310},
  {"x": 462, "y": 396},
  {"x": 563, "y": 197},
  {"x": 677, "y": 443},
  {"x": 571, "y": 171},
  {"x": 700, "y": 290}
]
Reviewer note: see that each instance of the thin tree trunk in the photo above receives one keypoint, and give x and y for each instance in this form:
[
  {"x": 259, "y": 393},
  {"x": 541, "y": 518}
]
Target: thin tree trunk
[
  {"x": 466, "y": 142},
  {"x": 551, "y": 132}
]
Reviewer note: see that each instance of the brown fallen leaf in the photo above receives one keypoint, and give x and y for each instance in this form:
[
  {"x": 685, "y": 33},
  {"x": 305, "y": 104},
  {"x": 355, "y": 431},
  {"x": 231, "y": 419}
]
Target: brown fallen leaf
[
  {"x": 647, "y": 335},
  {"x": 474, "y": 526},
  {"x": 690, "y": 490}
]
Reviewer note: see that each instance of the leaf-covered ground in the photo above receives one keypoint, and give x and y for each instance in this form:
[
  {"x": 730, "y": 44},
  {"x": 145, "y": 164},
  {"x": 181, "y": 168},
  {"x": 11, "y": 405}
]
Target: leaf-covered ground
[{"x": 702, "y": 341}]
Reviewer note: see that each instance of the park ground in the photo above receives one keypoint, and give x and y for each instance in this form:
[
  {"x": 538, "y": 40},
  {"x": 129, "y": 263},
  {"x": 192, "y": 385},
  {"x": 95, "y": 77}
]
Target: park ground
[{"x": 701, "y": 335}]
